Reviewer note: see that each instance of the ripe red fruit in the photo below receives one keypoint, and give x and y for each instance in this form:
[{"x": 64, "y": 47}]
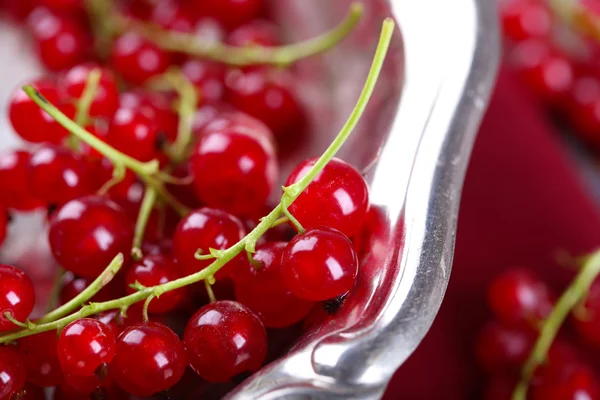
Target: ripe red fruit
[
  {"x": 155, "y": 270},
  {"x": 149, "y": 359},
  {"x": 84, "y": 345},
  {"x": 87, "y": 233},
  {"x": 57, "y": 175},
  {"x": 71, "y": 6},
  {"x": 224, "y": 339},
  {"x": 3, "y": 224},
  {"x": 137, "y": 60},
  {"x": 557, "y": 381},
  {"x": 72, "y": 285},
  {"x": 134, "y": 132},
  {"x": 73, "y": 82},
  {"x": 501, "y": 348},
  {"x": 338, "y": 197},
  {"x": 255, "y": 33},
  {"x": 206, "y": 228},
  {"x": 234, "y": 164},
  {"x": 230, "y": 13},
  {"x": 16, "y": 296},
  {"x": 14, "y": 190},
  {"x": 320, "y": 264},
  {"x": 588, "y": 322},
  {"x": 62, "y": 42},
  {"x": 526, "y": 19},
  {"x": 12, "y": 372},
  {"x": 269, "y": 97},
  {"x": 29, "y": 121},
  {"x": 263, "y": 289},
  {"x": 518, "y": 297},
  {"x": 207, "y": 76},
  {"x": 41, "y": 360},
  {"x": 155, "y": 105}
]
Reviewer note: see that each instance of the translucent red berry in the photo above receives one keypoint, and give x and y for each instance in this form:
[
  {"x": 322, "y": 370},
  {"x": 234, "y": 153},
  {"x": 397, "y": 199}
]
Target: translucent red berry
[
  {"x": 518, "y": 297},
  {"x": 72, "y": 285},
  {"x": 149, "y": 359},
  {"x": 14, "y": 189},
  {"x": 587, "y": 321},
  {"x": 269, "y": 97},
  {"x": 62, "y": 42},
  {"x": 502, "y": 348},
  {"x": 12, "y": 372},
  {"x": 17, "y": 297},
  {"x": 205, "y": 228},
  {"x": 526, "y": 19},
  {"x": 255, "y": 33},
  {"x": 320, "y": 264},
  {"x": 155, "y": 270},
  {"x": 557, "y": 381},
  {"x": 41, "y": 360},
  {"x": 231, "y": 13},
  {"x": 262, "y": 289},
  {"x": 29, "y": 121},
  {"x": 234, "y": 164},
  {"x": 57, "y": 175},
  {"x": 84, "y": 345},
  {"x": 135, "y": 133},
  {"x": 137, "y": 60},
  {"x": 87, "y": 233},
  {"x": 70, "y": 6},
  {"x": 225, "y": 339},
  {"x": 207, "y": 76},
  {"x": 73, "y": 82},
  {"x": 156, "y": 106},
  {"x": 338, "y": 197}
]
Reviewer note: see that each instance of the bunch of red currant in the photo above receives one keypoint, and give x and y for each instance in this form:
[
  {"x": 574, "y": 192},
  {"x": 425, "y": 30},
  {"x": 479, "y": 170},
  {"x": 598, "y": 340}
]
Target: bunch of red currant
[
  {"x": 557, "y": 62},
  {"x": 526, "y": 340},
  {"x": 155, "y": 155}
]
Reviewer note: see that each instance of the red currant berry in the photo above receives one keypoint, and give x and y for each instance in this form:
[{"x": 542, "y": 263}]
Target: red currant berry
[
  {"x": 320, "y": 264},
  {"x": 184, "y": 193},
  {"x": 225, "y": 339},
  {"x": 234, "y": 164},
  {"x": 231, "y": 13},
  {"x": 14, "y": 190},
  {"x": 549, "y": 74},
  {"x": 117, "y": 322},
  {"x": 587, "y": 322},
  {"x": 71, "y": 6},
  {"x": 207, "y": 76},
  {"x": 56, "y": 175},
  {"x": 137, "y": 60},
  {"x": 12, "y": 372},
  {"x": 565, "y": 381},
  {"x": 518, "y": 297},
  {"x": 338, "y": 197},
  {"x": 134, "y": 132},
  {"x": 500, "y": 388},
  {"x": 40, "y": 356},
  {"x": 92, "y": 386},
  {"x": 106, "y": 100},
  {"x": 501, "y": 348},
  {"x": 155, "y": 105},
  {"x": 526, "y": 19},
  {"x": 204, "y": 229},
  {"x": 84, "y": 345},
  {"x": 16, "y": 296},
  {"x": 87, "y": 233},
  {"x": 155, "y": 270},
  {"x": 207, "y": 113},
  {"x": 72, "y": 285},
  {"x": 170, "y": 15},
  {"x": 62, "y": 42},
  {"x": 269, "y": 97},
  {"x": 255, "y": 33},
  {"x": 263, "y": 290},
  {"x": 583, "y": 109},
  {"x": 4, "y": 219},
  {"x": 29, "y": 121},
  {"x": 149, "y": 359}
]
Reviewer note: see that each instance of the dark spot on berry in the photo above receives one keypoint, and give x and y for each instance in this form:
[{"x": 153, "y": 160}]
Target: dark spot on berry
[
  {"x": 101, "y": 371},
  {"x": 161, "y": 141},
  {"x": 51, "y": 209},
  {"x": 333, "y": 305}
]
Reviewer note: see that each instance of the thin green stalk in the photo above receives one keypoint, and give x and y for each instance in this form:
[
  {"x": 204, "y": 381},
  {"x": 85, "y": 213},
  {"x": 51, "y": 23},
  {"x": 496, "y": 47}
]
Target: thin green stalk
[
  {"x": 244, "y": 56},
  {"x": 209, "y": 291},
  {"x": 571, "y": 297},
  {"x": 102, "y": 280},
  {"x": 87, "y": 98},
  {"x": 575, "y": 14},
  {"x": 142, "y": 221},
  {"x": 248, "y": 243}
]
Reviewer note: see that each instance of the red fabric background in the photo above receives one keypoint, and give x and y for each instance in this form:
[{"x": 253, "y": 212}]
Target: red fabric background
[{"x": 522, "y": 201}]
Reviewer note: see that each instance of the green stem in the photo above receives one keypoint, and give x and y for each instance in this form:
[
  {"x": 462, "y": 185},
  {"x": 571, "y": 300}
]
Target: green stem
[
  {"x": 142, "y": 221},
  {"x": 571, "y": 297},
  {"x": 87, "y": 98},
  {"x": 575, "y": 14},
  {"x": 145, "y": 308},
  {"x": 102, "y": 280},
  {"x": 244, "y": 56},
  {"x": 186, "y": 108},
  {"x": 280, "y": 221},
  {"x": 248, "y": 243},
  {"x": 209, "y": 291}
]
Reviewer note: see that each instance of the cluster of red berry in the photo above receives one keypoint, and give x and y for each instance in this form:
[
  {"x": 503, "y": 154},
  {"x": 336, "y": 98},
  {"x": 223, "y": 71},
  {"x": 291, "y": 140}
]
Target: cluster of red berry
[
  {"x": 521, "y": 304},
  {"x": 558, "y": 64},
  {"x": 162, "y": 163}
]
